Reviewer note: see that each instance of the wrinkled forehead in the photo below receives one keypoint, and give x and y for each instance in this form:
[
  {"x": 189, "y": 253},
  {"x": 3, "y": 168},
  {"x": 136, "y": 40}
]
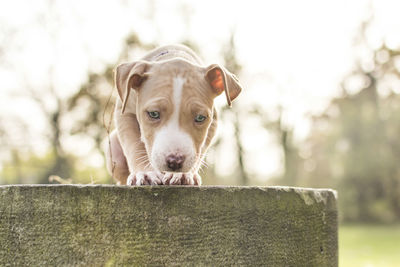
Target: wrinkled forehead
[{"x": 166, "y": 78}]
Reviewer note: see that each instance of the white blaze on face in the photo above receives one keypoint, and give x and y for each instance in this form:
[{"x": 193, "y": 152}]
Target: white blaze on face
[{"x": 171, "y": 138}]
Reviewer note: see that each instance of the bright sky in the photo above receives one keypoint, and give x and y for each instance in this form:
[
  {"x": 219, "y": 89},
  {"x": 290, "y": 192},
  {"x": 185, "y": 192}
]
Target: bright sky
[{"x": 294, "y": 53}]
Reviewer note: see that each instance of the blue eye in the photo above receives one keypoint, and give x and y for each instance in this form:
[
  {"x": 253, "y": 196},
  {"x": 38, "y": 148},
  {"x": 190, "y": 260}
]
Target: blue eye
[
  {"x": 199, "y": 118},
  {"x": 155, "y": 115}
]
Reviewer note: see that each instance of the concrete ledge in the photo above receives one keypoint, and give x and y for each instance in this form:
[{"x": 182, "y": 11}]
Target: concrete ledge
[{"x": 98, "y": 225}]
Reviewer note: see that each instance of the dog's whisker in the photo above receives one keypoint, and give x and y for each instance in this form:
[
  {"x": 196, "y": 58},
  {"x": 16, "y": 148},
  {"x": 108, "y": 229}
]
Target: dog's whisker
[
  {"x": 203, "y": 162},
  {"x": 148, "y": 165},
  {"x": 143, "y": 161},
  {"x": 138, "y": 142},
  {"x": 201, "y": 155},
  {"x": 203, "y": 166},
  {"x": 141, "y": 157}
]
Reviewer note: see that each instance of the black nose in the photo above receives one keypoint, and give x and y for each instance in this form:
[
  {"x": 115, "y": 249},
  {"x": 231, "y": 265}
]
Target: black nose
[{"x": 175, "y": 161}]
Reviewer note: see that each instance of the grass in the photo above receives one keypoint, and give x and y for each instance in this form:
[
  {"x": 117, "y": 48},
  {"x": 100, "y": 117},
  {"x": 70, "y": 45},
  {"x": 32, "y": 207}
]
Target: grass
[{"x": 369, "y": 246}]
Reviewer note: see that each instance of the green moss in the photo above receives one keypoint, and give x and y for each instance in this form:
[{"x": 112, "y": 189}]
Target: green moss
[{"x": 118, "y": 225}]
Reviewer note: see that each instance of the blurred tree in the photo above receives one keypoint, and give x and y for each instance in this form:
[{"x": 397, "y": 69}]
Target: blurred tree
[
  {"x": 237, "y": 114},
  {"x": 54, "y": 113},
  {"x": 22, "y": 164},
  {"x": 96, "y": 96},
  {"x": 50, "y": 104},
  {"x": 232, "y": 64},
  {"x": 284, "y": 136},
  {"x": 355, "y": 142},
  {"x": 234, "y": 116}
]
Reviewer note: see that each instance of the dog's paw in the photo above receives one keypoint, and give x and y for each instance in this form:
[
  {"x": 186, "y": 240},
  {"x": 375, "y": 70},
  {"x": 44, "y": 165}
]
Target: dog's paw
[
  {"x": 197, "y": 179},
  {"x": 179, "y": 178},
  {"x": 144, "y": 178}
]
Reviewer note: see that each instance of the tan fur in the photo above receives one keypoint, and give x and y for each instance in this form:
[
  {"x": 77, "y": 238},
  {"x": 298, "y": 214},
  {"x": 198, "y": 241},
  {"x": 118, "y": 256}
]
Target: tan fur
[{"x": 152, "y": 82}]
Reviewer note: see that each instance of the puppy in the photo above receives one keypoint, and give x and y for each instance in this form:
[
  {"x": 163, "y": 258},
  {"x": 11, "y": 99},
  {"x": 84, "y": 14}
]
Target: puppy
[{"x": 165, "y": 117}]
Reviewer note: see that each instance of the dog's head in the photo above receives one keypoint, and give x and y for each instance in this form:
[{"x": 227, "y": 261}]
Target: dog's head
[{"x": 174, "y": 107}]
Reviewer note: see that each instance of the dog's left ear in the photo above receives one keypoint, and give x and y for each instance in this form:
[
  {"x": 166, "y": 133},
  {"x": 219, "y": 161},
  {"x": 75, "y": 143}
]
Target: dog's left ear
[
  {"x": 129, "y": 76},
  {"x": 222, "y": 80}
]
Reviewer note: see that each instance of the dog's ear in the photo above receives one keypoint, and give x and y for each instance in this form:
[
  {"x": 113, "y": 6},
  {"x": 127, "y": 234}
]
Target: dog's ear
[
  {"x": 129, "y": 76},
  {"x": 222, "y": 80}
]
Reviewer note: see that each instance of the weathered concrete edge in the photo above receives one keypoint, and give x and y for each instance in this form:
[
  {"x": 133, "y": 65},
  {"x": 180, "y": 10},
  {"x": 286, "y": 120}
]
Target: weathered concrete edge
[
  {"x": 227, "y": 187},
  {"x": 309, "y": 195},
  {"x": 325, "y": 214},
  {"x": 238, "y": 187}
]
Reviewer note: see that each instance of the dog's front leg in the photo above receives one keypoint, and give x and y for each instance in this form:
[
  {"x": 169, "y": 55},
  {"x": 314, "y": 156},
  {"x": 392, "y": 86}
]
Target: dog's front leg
[{"x": 141, "y": 172}]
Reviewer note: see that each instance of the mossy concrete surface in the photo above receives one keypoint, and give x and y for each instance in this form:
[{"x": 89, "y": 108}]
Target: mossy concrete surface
[{"x": 103, "y": 225}]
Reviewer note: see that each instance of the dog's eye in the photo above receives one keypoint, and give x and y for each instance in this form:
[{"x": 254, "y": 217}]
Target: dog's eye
[
  {"x": 155, "y": 115},
  {"x": 199, "y": 118}
]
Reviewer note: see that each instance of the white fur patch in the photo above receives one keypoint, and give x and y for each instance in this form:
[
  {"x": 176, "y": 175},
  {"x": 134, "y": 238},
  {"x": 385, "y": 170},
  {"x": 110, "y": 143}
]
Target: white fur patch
[
  {"x": 177, "y": 97},
  {"x": 171, "y": 138}
]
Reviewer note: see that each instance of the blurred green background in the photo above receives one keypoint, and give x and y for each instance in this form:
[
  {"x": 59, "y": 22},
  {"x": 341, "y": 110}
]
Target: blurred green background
[{"x": 320, "y": 108}]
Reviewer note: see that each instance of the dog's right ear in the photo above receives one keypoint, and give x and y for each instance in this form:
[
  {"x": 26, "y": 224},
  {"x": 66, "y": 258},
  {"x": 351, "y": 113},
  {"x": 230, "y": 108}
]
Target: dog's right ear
[
  {"x": 221, "y": 80},
  {"x": 129, "y": 76}
]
